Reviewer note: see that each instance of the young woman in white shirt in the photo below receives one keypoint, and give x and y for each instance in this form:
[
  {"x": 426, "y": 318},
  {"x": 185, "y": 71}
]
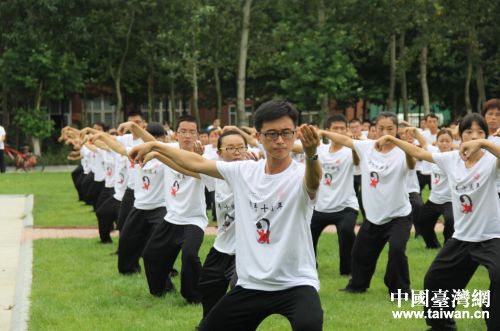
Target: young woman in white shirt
[
  {"x": 385, "y": 199},
  {"x": 476, "y": 241}
]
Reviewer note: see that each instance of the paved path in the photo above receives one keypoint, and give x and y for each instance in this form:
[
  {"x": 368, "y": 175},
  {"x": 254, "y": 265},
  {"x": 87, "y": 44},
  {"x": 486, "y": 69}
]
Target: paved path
[{"x": 15, "y": 261}]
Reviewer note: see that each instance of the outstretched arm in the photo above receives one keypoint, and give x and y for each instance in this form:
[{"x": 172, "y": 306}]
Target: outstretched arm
[
  {"x": 338, "y": 138},
  {"x": 110, "y": 141},
  {"x": 310, "y": 140},
  {"x": 170, "y": 163},
  {"x": 187, "y": 160},
  {"x": 408, "y": 148},
  {"x": 250, "y": 140},
  {"x": 470, "y": 147},
  {"x": 136, "y": 130}
]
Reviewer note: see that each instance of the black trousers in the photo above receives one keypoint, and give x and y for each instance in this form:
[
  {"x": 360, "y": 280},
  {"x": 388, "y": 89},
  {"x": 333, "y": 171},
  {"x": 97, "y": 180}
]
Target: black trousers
[
  {"x": 344, "y": 221},
  {"x": 87, "y": 181},
  {"x": 76, "y": 176},
  {"x": 107, "y": 213},
  {"x": 210, "y": 202},
  {"x": 244, "y": 310},
  {"x": 125, "y": 207},
  {"x": 428, "y": 219},
  {"x": 217, "y": 273},
  {"x": 416, "y": 208},
  {"x": 357, "y": 189},
  {"x": 2, "y": 161},
  {"x": 104, "y": 195},
  {"x": 368, "y": 245},
  {"x": 93, "y": 193},
  {"x": 136, "y": 231},
  {"x": 455, "y": 265},
  {"x": 423, "y": 180},
  {"x": 161, "y": 252}
]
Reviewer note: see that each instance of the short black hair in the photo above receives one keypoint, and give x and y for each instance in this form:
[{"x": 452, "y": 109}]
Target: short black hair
[
  {"x": 354, "y": 120},
  {"x": 432, "y": 115},
  {"x": 186, "y": 118},
  {"x": 272, "y": 110},
  {"x": 335, "y": 118},
  {"x": 103, "y": 125},
  {"x": 387, "y": 114},
  {"x": 156, "y": 130},
  {"x": 135, "y": 113},
  {"x": 490, "y": 104},
  {"x": 229, "y": 133},
  {"x": 466, "y": 123}
]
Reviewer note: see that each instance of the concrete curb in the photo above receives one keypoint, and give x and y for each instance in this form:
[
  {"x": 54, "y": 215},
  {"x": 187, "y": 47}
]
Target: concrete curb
[{"x": 20, "y": 311}]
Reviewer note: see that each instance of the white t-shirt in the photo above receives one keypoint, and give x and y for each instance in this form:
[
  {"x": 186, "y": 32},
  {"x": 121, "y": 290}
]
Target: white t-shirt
[
  {"x": 210, "y": 152},
  {"x": 185, "y": 198},
  {"x": 476, "y": 207},
  {"x": 121, "y": 174},
  {"x": 224, "y": 207},
  {"x": 383, "y": 178},
  {"x": 336, "y": 189},
  {"x": 496, "y": 141},
  {"x": 440, "y": 190},
  {"x": 97, "y": 165},
  {"x": 425, "y": 167},
  {"x": 129, "y": 142},
  {"x": 149, "y": 185},
  {"x": 2, "y": 135},
  {"x": 86, "y": 155},
  {"x": 273, "y": 237},
  {"x": 412, "y": 185},
  {"x": 299, "y": 157},
  {"x": 109, "y": 168}
]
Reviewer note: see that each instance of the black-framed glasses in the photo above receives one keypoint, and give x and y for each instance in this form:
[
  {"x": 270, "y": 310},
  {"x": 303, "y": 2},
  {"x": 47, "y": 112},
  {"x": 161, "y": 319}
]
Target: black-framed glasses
[
  {"x": 232, "y": 149},
  {"x": 273, "y": 135}
]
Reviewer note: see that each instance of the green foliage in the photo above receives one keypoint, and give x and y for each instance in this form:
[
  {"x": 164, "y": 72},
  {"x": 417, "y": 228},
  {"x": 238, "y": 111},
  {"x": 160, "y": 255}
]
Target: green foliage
[{"x": 34, "y": 122}]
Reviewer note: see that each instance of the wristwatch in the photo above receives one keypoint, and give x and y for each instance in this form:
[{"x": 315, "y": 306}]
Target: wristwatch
[{"x": 312, "y": 158}]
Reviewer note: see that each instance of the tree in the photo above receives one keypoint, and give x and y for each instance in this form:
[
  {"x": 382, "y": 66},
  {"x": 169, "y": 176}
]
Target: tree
[{"x": 245, "y": 30}]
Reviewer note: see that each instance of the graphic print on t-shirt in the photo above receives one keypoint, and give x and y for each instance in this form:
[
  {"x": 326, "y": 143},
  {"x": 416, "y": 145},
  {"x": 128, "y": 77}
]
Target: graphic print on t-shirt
[
  {"x": 146, "y": 182},
  {"x": 228, "y": 220},
  {"x": 437, "y": 178},
  {"x": 466, "y": 202},
  {"x": 263, "y": 231},
  {"x": 122, "y": 178},
  {"x": 328, "y": 179},
  {"x": 174, "y": 188},
  {"x": 109, "y": 171},
  {"x": 374, "y": 179}
]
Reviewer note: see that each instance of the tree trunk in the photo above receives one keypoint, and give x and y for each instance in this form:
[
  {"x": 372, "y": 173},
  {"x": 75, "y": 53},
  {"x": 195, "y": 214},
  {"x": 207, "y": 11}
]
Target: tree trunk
[
  {"x": 119, "y": 99},
  {"x": 481, "y": 91},
  {"x": 173, "y": 114},
  {"x": 151, "y": 100},
  {"x": 423, "y": 80},
  {"x": 468, "y": 106},
  {"x": 245, "y": 29},
  {"x": 195, "y": 93},
  {"x": 218, "y": 91},
  {"x": 5, "y": 107},
  {"x": 38, "y": 96},
  {"x": 404, "y": 89},
  {"x": 37, "y": 148},
  {"x": 392, "y": 82}
]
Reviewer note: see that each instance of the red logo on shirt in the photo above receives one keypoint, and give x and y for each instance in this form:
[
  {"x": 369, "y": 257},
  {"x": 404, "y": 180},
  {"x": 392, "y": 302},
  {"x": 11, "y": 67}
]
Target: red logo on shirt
[
  {"x": 174, "y": 189},
  {"x": 145, "y": 183},
  {"x": 437, "y": 179},
  {"x": 374, "y": 179},
  {"x": 477, "y": 176},
  {"x": 466, "y": 202},
  {"x": 109, "y": 171},
  {"x": 328, "y": 179},
  {"x": 263, "y": 232},
  {"x": 132, "y": 164}
]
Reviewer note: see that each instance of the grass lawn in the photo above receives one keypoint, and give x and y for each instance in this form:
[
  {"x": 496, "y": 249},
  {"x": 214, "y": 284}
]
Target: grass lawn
[
  {"x": 76, "y": 287},
  {"x": 56, "y": 199}
]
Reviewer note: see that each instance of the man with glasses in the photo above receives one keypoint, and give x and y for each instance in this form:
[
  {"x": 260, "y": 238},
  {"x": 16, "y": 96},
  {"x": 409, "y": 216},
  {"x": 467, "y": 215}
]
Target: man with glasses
[{"x": 274, "y": 201}]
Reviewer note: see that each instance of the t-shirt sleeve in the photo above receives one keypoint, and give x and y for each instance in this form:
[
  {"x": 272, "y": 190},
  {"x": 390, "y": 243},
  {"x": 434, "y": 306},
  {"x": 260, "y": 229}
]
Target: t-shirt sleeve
[
  {"x": 444, "y": 160},
  {"x": 229, "y": 170},
  {"x": 208, "y": 181},
  {"x": 363, "y": 147}
]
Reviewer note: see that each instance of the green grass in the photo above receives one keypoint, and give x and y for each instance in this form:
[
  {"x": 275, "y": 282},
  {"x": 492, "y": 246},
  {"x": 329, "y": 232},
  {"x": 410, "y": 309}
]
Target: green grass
[
  {"x": 56, "y": 199},
  {"x": 76, "y": 287}
]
